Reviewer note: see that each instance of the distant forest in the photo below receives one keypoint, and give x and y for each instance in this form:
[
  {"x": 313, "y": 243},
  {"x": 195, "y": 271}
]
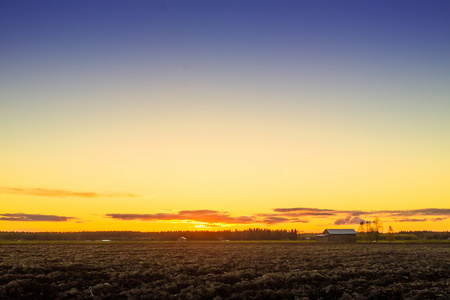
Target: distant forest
[
  {"x": 251, "y": 234},
  {"x": 236, "y": 235}
]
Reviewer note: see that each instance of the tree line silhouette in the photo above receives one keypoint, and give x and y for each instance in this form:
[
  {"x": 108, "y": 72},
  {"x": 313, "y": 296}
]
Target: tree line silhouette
[
  {"x": 250, "y": 234},
  {"x": 236, "y": 235}
]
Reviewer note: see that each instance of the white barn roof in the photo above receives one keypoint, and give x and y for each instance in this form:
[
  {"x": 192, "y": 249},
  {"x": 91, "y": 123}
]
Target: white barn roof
[{"x": 340, "y": 231}]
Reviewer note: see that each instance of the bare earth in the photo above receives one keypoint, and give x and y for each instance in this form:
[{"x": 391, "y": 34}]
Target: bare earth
[{"x": 224, "y": 270}]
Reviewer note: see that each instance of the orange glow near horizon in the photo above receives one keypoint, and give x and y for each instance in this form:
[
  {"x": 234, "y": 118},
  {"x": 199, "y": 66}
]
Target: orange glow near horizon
[{"x": 56, "y": 218}]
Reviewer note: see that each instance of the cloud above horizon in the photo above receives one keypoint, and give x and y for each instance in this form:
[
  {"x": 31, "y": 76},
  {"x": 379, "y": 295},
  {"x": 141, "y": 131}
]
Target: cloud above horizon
[
  {"x": 302, "y": 211},
  {"x": 349, "y": 220},
  {"x": 279, "y": 216},
  {"x": 412, "y": 220},
  {"x": 288, "y": 215},
  {"x": 60, "y": 193},
  {"x": 207, "y": 216},
  {"x": 354, "y": 217},
  {"x": 20, "y": 217}
]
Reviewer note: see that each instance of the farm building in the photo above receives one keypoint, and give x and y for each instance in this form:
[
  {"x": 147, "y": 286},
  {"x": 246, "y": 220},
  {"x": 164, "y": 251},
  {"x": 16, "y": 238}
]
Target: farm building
[{"x": 337, "y": 236}]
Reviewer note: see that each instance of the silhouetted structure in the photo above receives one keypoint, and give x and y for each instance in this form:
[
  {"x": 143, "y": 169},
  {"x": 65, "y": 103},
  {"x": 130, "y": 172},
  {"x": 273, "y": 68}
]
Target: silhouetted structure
[{"x": 337, "y": 236}]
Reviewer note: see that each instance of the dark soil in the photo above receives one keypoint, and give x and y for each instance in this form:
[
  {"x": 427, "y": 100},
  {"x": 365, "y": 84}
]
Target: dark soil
[{"x": 224, "y": 271}]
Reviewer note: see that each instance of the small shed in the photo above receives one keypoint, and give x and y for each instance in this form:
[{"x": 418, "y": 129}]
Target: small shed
[
  {"x": 337, "y": 236},
  {"x": 181, "y": 239}
]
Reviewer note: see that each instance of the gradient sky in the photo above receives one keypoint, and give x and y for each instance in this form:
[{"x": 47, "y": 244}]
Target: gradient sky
[{"x": 173, "y": 115}]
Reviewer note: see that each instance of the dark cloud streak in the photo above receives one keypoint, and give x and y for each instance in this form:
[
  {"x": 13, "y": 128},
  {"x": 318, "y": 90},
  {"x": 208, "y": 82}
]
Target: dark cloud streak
[
  {"x": 354, "y": 217},
  {"x": 411, "y": 220},
  {"x": 207, "y": 216},
  {"x": 438, "y": 219},
  {"x": 285, "y": 215},
  {"x": 20, "y": 217},
  {"x": 419, "y": 212},
  {"x": 395, "y": 213},
  {"x": 349, "y": 220}
]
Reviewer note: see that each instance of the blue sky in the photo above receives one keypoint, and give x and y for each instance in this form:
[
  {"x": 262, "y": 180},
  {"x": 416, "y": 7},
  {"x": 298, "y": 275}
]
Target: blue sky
[
  {"x": 296, "y": 46},
  {"x": 210, "y": 104}
]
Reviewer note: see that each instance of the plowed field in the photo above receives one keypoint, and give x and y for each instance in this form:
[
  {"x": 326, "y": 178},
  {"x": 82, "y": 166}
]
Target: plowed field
[{"x": 224, "y": 271}]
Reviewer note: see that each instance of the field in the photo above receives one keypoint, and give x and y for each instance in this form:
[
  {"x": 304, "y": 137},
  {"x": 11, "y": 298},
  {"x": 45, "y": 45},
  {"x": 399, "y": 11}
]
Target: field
[{"x": 224, "y": 270}]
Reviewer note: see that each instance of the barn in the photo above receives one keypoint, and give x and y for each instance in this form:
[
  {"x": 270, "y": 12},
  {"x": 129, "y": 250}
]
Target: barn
[{"x": 337, "y": 236}]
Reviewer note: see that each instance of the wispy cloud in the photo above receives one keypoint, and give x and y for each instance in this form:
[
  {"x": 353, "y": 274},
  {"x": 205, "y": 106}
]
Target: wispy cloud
[
  {"x": 349, "y": 220},
  {"x": 210, "y": 217},
  {"x": 438, "y": 219},
  {"x": 344, "y": 217},
  {"x": 60, "y": 193},
  {"x": 278, "y": 216},
  {"x": 419, "y": 212},
  {"x": 207, "y": 216},
  {"x": 286, "y": 215},
  {"x": 20, "y": 217},
  {"x": 302, "y": 211},
  {"x": 275, "y": 220},
  {"x": 331, "y": 212},
  {"x": 411, "y": 220},
  {"x": 420, "y": 220}
]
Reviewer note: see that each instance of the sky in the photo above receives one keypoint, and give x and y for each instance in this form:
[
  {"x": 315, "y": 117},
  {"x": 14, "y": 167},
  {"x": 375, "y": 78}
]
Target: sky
[{"x": 217, "y": 115}]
